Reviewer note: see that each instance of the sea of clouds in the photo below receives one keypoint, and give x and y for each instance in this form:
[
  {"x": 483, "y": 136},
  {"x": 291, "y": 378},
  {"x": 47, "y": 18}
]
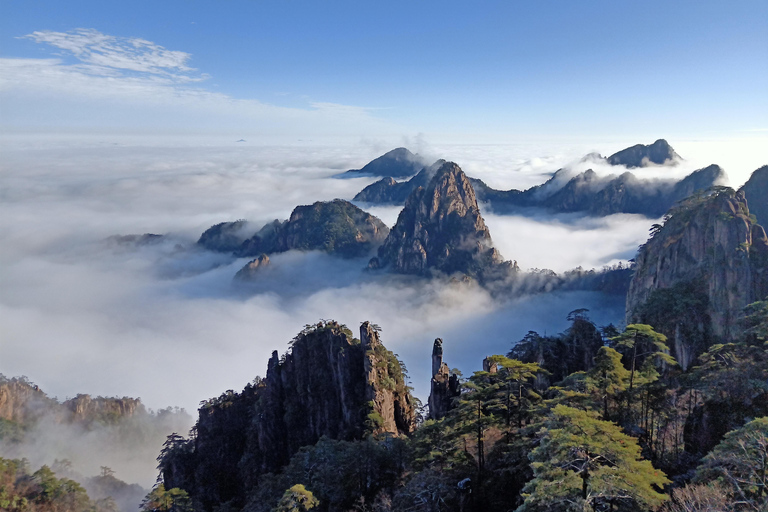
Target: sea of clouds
[{"x": 84, "y": 313}]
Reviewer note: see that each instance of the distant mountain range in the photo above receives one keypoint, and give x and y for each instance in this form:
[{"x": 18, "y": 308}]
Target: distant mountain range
[{"x": 585, "y": 192}]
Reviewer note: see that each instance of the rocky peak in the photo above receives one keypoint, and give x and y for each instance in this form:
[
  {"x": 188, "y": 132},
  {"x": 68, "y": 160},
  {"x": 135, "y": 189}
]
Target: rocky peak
[
  {"x": 756, "y": 192},
  {"x": 709, "y": 242},
  {"x": 444, "y": 387},
  {"x": 251, "y": 269},
  {"x": 659, "y": 153},
  {"x": 329, "y": 384},
  {"x": 441, "y": 229}
]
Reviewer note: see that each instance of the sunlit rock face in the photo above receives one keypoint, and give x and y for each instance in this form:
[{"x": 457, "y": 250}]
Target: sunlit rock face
[
  {"x": 440, "y": 229},
  {"x": 714, "y": 256},
  {"x": 756, "y": 192}
]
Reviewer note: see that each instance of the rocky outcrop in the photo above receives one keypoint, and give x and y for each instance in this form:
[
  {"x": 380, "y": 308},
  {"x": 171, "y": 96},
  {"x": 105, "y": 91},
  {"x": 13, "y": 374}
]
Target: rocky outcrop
[
  {"x": 398, "y": 163},
  {"x": 444, "y": 387},
  {"x": 329, "y": 384},
  {"x": 86, "y": 409},
  {"x": 440, "y": 229},
  {"x": 224, "y": 236},
  {"x": 587, "y": 192},
  {"x": 22, "y": 402},
  {"x": 756, "y": 192},
  {"x": 389, "y": 191},
  {"x": 252, "y": 268},
  {"x": 337, "y": 227},
  {"x": 699, "y": 270},
  {"x": 659, "y": 153}
]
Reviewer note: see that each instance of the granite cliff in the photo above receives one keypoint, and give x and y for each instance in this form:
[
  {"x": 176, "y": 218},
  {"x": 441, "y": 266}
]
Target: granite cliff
[
  {"x": 756, "y": 192},
  {"x": 440, "y": 229},
  {"x": 699, "y": 270},
  {"x": 328, "y": 384}
]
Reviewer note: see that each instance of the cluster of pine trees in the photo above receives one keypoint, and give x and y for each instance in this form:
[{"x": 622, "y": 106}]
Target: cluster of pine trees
[{"x": 590, "y": 420}]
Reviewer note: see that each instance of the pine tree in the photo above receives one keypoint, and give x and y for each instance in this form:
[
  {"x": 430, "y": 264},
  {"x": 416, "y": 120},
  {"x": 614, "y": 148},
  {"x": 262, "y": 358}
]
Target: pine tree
[{"x": 583, "y": 463}]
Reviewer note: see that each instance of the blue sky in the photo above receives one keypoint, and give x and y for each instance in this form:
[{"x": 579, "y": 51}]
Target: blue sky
[{"x": 551, "y": 68}]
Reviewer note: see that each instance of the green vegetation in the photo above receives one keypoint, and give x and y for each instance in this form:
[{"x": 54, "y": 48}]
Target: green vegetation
[
  {"x": 591, "y": 419},
  {"x": 42, "y": 491}
]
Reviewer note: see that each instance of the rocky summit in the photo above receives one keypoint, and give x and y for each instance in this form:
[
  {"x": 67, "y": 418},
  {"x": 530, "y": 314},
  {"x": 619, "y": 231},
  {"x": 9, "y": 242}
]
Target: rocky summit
[
  {"x": 440, "y": 229},
  {"x": 699, "y": 270},
  {"x": 640, "y": 155}
]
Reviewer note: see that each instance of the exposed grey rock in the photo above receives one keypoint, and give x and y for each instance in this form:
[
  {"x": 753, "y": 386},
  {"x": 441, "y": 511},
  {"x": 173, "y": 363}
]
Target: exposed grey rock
[
  {"x": 444, "y": 387},
  {"x": 756, "y": 192},
  {"x": 710, "y": 245},
  {"x": 441, "y": 229}
]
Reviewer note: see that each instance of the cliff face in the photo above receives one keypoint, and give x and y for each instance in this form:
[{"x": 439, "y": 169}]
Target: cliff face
[
  {"x": 756, "y": 192},
  {"x": 24, "y": 403},
  {"x": 441, "y": 229},
  {"x": 86, "y": 409},
  {"x": 329, "y": 384},
  {"x": 710, "y": 242}
]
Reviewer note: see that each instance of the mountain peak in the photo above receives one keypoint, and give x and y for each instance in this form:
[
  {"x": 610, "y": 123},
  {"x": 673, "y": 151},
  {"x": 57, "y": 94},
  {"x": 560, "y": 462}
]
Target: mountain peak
[
  {"x": 397, "y": 163},
  {"x": 441, "y": 229},
  {"x": 639, "y": 155}
]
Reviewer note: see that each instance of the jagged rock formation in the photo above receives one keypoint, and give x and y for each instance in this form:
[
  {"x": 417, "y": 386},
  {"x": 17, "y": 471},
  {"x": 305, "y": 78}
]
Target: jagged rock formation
[
  {"x": 250, "y": 270},
  {"x": 337, "y": 227},
  {"x": 329, "y": 384},
  {"x": 444, "y": 387},
  {"x": 660, "y": 153},
  {"x": 756, "y": 192},
  {"x": 398, "y": 163},
  {"x": 389, "y": 191},
  {"x": 587, "y": 192},
  {"x": 441, "y": 229},
  {"x": 697, "y": 272}
]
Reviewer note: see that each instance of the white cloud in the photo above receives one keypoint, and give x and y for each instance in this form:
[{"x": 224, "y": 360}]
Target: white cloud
[
  {"x": 104, "y": 51},
  {"x": 134, "y": 84}
]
